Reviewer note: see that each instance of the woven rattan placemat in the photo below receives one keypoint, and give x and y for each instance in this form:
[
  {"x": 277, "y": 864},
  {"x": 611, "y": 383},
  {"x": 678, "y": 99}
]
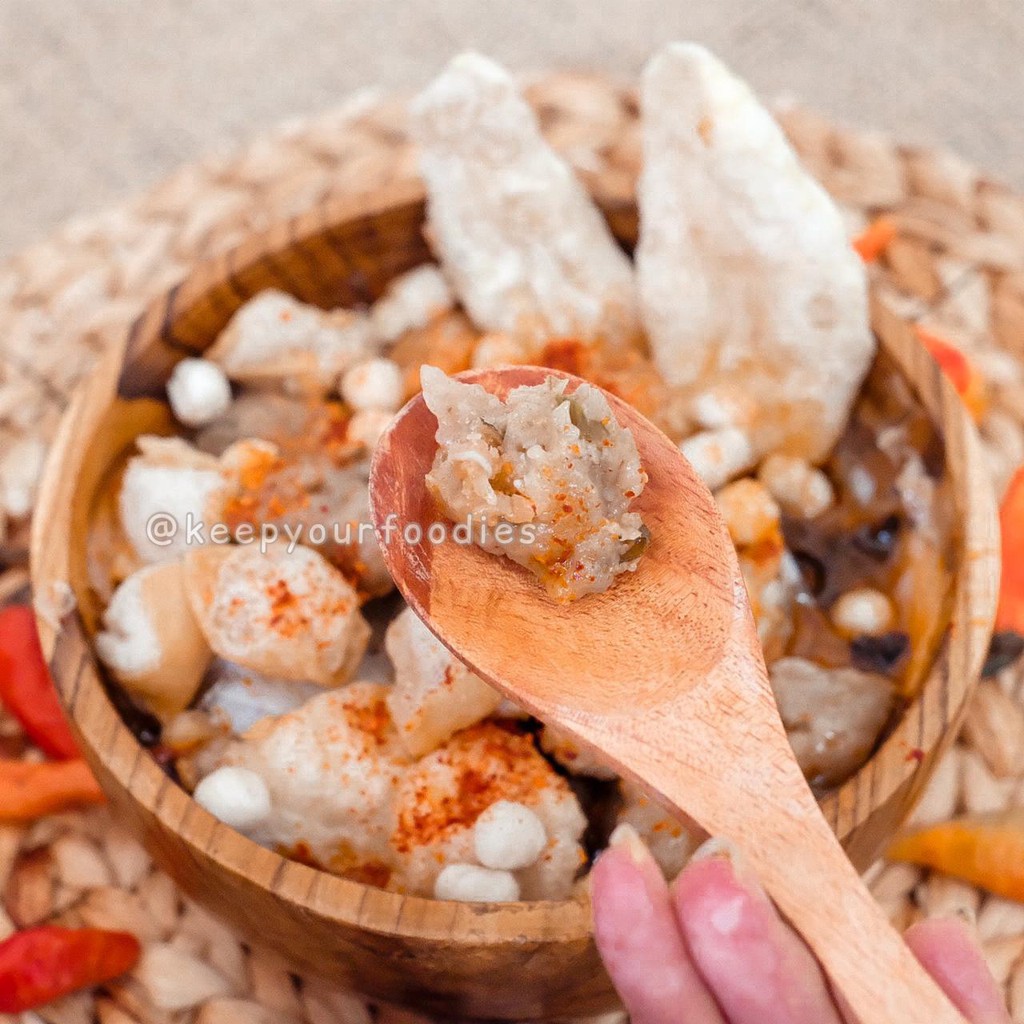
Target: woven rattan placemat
[{"x": 957, "y": 265}]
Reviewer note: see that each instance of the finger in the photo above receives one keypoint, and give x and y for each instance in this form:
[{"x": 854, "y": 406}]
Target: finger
[
  {"x": 638, "y": 939},
  {"x": 757, "y": 968},
  {"x": 948, "y": 952}
]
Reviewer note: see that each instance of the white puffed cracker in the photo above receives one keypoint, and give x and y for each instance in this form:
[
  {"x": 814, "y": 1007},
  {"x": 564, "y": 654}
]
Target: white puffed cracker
[
  {"x": 747, "y": 280},
  {"x": 275, "y": 339},
  {"x": 524, "y": 247}
]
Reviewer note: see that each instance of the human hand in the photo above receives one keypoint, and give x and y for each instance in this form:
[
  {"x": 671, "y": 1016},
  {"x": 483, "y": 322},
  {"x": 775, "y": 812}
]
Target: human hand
[{"x": 712, "y": 948}]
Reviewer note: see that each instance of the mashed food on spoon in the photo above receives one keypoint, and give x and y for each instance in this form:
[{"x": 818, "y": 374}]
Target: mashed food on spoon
[{"x": 545, "y": 478}]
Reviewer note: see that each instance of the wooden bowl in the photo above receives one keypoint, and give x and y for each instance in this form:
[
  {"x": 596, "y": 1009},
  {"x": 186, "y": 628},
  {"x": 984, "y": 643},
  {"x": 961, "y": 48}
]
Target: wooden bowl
[{"x": 501, "y": 961}]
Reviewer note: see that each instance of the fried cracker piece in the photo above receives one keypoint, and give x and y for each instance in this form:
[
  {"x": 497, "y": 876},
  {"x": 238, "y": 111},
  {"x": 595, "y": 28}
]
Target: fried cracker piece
[
  {"x": 747, "y": 280},
  {"x": 285, "y": 612},
  {"x": 276, "y": 340},
  {"x": 524, "y": 247},
  {"x": 152, "y": 642}
]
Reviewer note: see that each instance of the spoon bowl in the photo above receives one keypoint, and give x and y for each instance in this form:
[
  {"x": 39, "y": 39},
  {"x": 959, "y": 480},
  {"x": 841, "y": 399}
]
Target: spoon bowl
[{"x": 663, "y": 676}]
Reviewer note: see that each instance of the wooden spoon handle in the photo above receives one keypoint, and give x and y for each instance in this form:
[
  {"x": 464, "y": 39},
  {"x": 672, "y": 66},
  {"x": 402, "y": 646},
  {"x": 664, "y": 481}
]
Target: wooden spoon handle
[
  {"x": 775, "y": 822},
  {"x": 808, "y": 875}
]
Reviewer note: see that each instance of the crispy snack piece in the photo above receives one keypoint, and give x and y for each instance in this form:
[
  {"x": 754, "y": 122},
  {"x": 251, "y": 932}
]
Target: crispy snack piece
[
  {"x": 526, "y": 250},
  {"x": 332, "y": 767},
  {"x": 747, "y": 280},
  {"x": 285, "y": 613},
  {"x": 434, "y": 695},
  {"x": 276, "y": 340},
  {"x": 151, "y": 641},
  {"x": 439, "y": 798}
]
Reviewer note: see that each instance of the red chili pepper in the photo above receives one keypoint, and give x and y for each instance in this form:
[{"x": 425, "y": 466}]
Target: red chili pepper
[
  {"x": 875, "y": 239},
  {"x": 26, "y": 688},
  {"x": 30, "y": 789},
  {"x": 1010, "y": 616},
  {"x": 42, "y": 964},
  {"x": 962, "y": 373}
]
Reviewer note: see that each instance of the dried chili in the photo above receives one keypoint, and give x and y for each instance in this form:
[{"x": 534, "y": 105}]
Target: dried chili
[
  {"x": 985, "y": 850},
  {"x": 962, "y": 373},
  {"x": 31, "y": 790},
  {"x": 26, "y": 688},
  {"x": 42, "y": 964},
  {"x": 875, "y": 239},
  {"x": 1010, "y": 616}
]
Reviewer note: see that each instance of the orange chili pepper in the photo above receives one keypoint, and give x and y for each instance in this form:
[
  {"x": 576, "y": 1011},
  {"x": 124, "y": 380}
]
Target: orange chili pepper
[
  {"x": 875, "y": 239},
  {"x": 26, "y": 688},
  {"x": 1010, "y": 616},
  {"x": 962, "y": 373},
  {"x": 985, "y": 850},
  {"x": 31, "y": 790},
  {"x": 42, "y": 964}
]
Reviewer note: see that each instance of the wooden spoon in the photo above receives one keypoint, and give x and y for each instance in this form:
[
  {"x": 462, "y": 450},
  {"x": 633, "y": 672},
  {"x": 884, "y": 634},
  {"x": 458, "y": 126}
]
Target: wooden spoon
[{"x": 664, "y": 676}]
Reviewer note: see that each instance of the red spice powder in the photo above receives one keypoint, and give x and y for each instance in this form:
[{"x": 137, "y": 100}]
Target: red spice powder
[{"x": 488, "y": 763}]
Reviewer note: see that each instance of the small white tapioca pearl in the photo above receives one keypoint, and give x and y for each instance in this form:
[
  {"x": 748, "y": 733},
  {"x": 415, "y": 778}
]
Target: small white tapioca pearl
[
  {"x": 749, "y": 511},
  {"x": 367, "y": 425},
  {"x": 800, "y": 488},
  {"x": 199, "y": 391},
  {"x": 863, "y": 612},
  {"x": 719, "y": 456},
  {"x": 509, "y": 836},
  {"x": 470, "y": 883},
  {"x": 373, "y": 384},
  {"x": 237, "y": 796}
]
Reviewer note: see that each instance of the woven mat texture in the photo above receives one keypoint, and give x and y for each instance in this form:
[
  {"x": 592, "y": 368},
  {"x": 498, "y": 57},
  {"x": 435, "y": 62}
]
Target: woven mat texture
[{"x": 957, "y": 266}]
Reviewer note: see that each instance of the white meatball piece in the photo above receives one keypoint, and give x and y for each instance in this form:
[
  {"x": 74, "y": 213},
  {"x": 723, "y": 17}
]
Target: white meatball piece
[
  {"x": 509, "y": 836},
  {"x": 411, "y": 301},
  {"x": 557, "y": 462},
  {"x": 368, "y": 425},
  {"x": 199, "y": 392},
  {"x": 169, "y": 484},
  {"x": 236, "y": 796},
  {"x": 470, "y": 883},
  {"x": 434, "y": 695},
  {"x": 331, "y": 769},
  {"x": 571, "y": 756},
  {"x": 718, "y": 456},
  {"x": 238, "y": 697},
  {"x": 288, "y": 614},
  {"x": 751, "y": 514},
  {"x": 833, "y": 716},
  {"x": 863, "y": 612},
  {"x": 671, "y": 840},
  {"x": 441, "y": 797},
  {"x": 275, "y": 339},
  {"x": 373, "y": 384},
  {"x": 151, "y": 641},
  {"x": 800, "y": 488}
]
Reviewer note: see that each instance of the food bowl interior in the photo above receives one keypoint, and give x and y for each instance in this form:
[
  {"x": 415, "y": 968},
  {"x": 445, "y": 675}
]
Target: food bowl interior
[{"x": 500, "y": 960}]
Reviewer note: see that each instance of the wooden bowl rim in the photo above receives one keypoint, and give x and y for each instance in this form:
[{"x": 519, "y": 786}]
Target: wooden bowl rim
[{"x": 916, "y": 739}]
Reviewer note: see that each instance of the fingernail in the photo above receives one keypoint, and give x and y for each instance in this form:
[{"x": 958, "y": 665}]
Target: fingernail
[
  {"x": 966, "y": 914},
  {"x": 717, "y": 847},
  {"x": 720, "y": 848},
  {"x": 625, "y": 837}
]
